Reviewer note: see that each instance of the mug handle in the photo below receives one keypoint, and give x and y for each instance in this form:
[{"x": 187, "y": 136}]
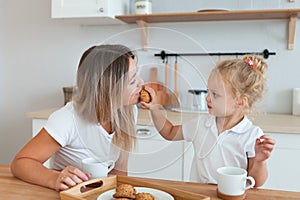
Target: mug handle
[
  {"x": 251, "y": 179},
  {"x": 111, "y": 165}
]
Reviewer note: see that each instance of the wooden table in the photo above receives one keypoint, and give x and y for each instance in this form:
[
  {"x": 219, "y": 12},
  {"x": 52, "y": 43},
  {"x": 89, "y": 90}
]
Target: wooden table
[{"x": 13, "y": 188}]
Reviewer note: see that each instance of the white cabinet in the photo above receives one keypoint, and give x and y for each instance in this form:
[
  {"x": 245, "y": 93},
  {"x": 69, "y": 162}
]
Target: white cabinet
[
  {"x": 89, "y": 11},
  {"x": 284, "y": 163},
  {"x": 37, "y": 125},
  {"x": 156, "y": 157},
  {"x": 188, "y": 155}
]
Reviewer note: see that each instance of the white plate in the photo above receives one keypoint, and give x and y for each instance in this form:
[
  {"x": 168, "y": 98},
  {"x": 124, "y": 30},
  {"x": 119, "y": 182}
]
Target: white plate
[{"x": 158, "y": 194}]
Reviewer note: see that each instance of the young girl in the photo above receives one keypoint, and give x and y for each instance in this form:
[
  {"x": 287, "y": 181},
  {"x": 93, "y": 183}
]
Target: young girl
[
  {"x": 99, "y": 122},
  {"x": 225, "y": 137}
]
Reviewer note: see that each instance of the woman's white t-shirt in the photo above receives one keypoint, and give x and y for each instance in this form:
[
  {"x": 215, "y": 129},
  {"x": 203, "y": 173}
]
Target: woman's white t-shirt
[
  {"x": 233, "y": 147},
  {"x": 78, "y": 139}
]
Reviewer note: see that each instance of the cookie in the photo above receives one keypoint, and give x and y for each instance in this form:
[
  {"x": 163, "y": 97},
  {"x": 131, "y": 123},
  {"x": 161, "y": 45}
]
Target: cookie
[
  {"x": 144, "y": 196},
  {"x": 125, "y": 191},
  {"x": 145, "y": 96}
]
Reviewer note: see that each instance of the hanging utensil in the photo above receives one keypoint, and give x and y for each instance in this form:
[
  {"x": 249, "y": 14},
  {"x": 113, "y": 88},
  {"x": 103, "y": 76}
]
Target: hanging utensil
[
  {"x": 155, "y": 85},
  {"x": 166, "y": 100},
  {"x": 175, "y": 96}
]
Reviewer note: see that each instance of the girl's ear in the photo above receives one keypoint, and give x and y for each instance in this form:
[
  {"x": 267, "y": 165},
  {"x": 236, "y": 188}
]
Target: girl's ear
[{"x": 242, "y": 101}]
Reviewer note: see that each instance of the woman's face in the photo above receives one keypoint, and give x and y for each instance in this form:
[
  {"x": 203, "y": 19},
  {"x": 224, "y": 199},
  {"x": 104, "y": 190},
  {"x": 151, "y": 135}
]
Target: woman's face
[
  {"x": 220, "y": 98},
  {"x": 134, "y": 85}
]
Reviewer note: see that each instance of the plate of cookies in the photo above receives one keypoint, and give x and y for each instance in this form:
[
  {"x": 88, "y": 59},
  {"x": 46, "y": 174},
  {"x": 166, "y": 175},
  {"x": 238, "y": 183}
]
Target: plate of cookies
[{"x": 127, "y": 191}]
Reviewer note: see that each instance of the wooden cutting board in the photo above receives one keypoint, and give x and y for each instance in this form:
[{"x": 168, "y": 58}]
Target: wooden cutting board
[
  {"x": 95, "y": 187},
  {"x": 155, "y": 85}
]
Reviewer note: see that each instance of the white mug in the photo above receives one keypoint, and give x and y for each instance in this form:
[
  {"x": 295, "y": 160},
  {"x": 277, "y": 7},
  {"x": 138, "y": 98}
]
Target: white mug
[
  {"x": 232, "y": 181},
  {"x": 97, "y": 167}
]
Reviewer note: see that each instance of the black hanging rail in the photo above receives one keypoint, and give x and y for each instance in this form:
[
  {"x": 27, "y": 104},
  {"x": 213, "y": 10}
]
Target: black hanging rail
[{"x": 265, "y": 54}]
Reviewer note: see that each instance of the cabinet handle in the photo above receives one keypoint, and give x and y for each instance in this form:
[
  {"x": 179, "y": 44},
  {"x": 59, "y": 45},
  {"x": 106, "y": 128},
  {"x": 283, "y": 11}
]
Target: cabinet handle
[
  {"x": 101, "y": 10},
  {"x": 143, "y": 131}
]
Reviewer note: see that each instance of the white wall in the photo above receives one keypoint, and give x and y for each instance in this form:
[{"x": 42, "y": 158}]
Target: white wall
[{"x": 39, "y": 56}]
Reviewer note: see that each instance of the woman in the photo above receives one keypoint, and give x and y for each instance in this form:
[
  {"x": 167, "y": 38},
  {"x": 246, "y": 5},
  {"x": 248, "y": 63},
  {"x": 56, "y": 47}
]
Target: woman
[{"x": 99, "y": 122}]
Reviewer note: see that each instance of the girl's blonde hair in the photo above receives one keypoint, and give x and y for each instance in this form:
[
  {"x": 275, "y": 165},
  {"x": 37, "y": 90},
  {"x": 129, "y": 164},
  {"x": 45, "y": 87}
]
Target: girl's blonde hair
[
  {"x": 246, "y": 77},
  {"x": 102, "y": 78}
]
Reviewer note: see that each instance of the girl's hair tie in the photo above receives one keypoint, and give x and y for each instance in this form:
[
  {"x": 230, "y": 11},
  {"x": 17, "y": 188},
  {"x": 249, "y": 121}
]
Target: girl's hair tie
[{"x": 250, "y": 63}]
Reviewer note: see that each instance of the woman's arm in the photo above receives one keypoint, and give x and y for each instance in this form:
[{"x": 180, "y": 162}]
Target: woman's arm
[
  {"x": 161, "y": 123},
  {"x": 257, "y": 167},
  {"x": 121, "y": 165},
  {"x": 28, "y": 164}
]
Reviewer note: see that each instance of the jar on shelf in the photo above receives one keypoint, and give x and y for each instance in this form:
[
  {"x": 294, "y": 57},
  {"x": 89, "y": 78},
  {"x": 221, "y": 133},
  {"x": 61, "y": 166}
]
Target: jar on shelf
[{"x": 143, "y": 6}]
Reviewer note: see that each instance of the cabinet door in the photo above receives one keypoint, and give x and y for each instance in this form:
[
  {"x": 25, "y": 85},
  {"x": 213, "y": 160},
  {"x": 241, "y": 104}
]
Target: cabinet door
[
  {"x": 37, "y": 125},
  {"x": 188, "y": 155},
  {"x": 156, "y": 157},
  {"x": 75, "y": 8},
  {"x": 284, "y": 163},
  {"x": 88, "y": 8}
]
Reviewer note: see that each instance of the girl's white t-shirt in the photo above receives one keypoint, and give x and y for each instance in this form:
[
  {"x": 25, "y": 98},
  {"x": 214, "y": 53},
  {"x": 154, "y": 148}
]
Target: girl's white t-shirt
[
  {"x": 233, "y": 147},
  {"x": 78, "y": 139}
]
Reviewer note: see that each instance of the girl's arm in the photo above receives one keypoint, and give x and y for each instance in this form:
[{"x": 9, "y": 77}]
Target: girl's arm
[
  {"x": 28, "y": 164},
  {"x": 257, "y": 167},
  {"x": 161, "y": 123}
]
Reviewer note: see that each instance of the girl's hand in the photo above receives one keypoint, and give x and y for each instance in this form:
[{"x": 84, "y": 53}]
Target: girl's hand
[
  {"x": 263, "y": 148},
  {"x": 153, "y": 103},
  {"x": 69, "y": 177}
]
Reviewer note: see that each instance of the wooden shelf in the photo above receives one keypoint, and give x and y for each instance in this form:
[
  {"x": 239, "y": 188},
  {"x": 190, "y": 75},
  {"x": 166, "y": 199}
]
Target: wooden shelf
[{"x": 289, "y": 14}]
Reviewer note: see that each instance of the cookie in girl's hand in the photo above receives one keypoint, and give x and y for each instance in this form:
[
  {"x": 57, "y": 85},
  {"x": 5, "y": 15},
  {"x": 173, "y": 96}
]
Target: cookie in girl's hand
[{"x": 145, "y": 96}]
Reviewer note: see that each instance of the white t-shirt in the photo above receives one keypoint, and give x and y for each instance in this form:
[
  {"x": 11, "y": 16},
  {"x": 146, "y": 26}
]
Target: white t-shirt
[
  {"x": 78, "y": 138},
  {"x": 230, "y": 148}
]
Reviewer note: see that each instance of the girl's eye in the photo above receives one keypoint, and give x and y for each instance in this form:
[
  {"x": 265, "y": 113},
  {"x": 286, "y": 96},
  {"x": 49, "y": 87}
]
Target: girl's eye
[{"x": 214, "y": 94}]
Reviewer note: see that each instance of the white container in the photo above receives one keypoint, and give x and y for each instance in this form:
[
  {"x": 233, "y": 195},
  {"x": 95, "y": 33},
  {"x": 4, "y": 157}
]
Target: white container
[
  {"x": 143, "y": 6},
  {"x": 199, "y": 99},
  {"x": 296, "y": 101}
]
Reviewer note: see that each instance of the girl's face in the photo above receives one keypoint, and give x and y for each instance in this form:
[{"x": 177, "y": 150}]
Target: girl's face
[
  {"x": 134, "y": 85},
  {"x": 220, "y": 99}
]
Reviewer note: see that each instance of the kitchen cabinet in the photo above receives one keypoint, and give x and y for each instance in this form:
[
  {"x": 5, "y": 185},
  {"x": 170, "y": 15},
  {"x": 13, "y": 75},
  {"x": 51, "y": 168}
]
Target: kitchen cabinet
[
  {"x": 279, "y": 14},
  {"x": 37, "y": 125},
  {"x": 89, "y": 12},
  {"x": 284, "y": 163},
  {"x": 187, "y": 161},
  {"x": 156, "y": 157}
]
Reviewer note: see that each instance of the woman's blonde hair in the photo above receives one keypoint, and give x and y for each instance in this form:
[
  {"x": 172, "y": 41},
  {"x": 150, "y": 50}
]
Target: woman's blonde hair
[
  {"x": 246, "y": 77},
  {"x": 102, "y": 78}
]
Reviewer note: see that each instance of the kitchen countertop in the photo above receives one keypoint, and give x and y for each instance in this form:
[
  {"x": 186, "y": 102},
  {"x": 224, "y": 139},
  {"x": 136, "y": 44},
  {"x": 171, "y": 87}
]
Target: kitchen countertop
[
  {"x": 272, "y": 123},
  {"x": 13, "y": 188}
]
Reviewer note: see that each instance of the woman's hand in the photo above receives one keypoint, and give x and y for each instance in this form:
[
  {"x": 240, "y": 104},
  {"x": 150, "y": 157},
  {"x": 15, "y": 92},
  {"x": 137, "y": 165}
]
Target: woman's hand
[
  {"x": 69, "y": 177},
  {"x": 263, "y": 148}
]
